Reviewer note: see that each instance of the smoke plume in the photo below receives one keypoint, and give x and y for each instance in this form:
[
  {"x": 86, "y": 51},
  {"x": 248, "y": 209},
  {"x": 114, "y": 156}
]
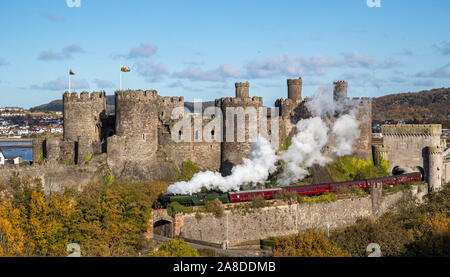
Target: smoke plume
[
  {"x": 334, "y": 124},
  {"x": 256, "y": 169}
]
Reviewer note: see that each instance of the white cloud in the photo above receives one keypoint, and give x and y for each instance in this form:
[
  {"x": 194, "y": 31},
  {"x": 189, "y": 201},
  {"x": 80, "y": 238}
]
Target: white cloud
[
  {"x": 62, "y": 83},
  {"x": 52, "y": 17},
  {"x": 66, "y": 53},
  {"x": 405, "y": 52},
  {"x": 220, "y": 74},
  {"x": 287, "y": 65},
  {"x": 152, "y": 72},
  {"x": 104, "y": 84},
  {"x": 424, "y": 83},
  {"x": 440, "y": 72},
  {"x": 443, "y": 48}
]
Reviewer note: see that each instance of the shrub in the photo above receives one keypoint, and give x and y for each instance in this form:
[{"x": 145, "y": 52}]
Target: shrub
[
  {"x": 288, "y": 197},
  {"x": 188, "y": 169},
  {"x": 215, "y": 207},
  {"x": 311, "y": 243},
  {"x": 88, "y": 158},
  {"x": 351, "y": 168},
  {"x": 329, "y": 197},
  {"x": 175, "y": 248},
  {"x": 174, "y": 207},
  {"x": 259, "y": 202}
]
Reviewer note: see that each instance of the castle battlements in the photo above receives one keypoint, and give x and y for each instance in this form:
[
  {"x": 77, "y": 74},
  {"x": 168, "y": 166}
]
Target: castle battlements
[
  {"x": 137, "y": 95},
  {"x": 412, "y": 130},
  {"x": 242, "y": 84},
  {"x": 141, "y": 132},
  {"x": 173, "y": 99},
  {"x": 84, "y": 96},
  {"x": 362, "y": 100},
  {"x": 436, "y": 150},
  {"x": 340, "y": 90},
  {"x": 238, "y": 101},
  {"x": 381, "y": 148}
]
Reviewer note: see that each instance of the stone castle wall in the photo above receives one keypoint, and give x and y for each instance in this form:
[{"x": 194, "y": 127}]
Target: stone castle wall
[
  {"x": 407, "y": 144},
  {"x": 282, "y": 220}
]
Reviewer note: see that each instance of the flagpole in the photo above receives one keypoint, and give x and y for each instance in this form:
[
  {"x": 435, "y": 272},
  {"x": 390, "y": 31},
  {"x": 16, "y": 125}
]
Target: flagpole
[{"x": 121, "y": 77}]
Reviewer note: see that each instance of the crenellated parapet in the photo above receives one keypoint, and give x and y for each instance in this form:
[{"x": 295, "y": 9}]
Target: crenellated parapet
[
  {"x": 84, "y": 96},
  {"x": 137, "y": 95},
  {"x": 340, "y": 90},
  {"x": 412, "y": 130},
  {"x": 435, "y": 150},
  {"x": 236, "y": 101},
  {"x": 242, "y": 89}
]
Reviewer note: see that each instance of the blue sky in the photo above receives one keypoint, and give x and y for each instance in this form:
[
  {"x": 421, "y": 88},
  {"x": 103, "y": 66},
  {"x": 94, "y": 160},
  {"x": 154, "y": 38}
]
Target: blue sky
[{"x": 199, "y": 49}]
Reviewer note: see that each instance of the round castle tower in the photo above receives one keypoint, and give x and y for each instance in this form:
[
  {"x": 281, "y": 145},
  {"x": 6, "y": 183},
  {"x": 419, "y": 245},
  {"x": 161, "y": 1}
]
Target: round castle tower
[
  {"x": 380, "y": 152},
  {"x": 340, "y": 90},
  {"x": 82, "y": 115},
  {"x": 435, "y": 168},
  {"x": 237, "y": 144},
  {"x": 295, "y": 89},
  {"x": 137, "y": 120}
]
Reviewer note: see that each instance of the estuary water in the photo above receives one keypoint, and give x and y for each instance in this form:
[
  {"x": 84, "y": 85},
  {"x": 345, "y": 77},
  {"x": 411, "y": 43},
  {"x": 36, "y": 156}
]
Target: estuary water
[{"x": 25, "y": 153}]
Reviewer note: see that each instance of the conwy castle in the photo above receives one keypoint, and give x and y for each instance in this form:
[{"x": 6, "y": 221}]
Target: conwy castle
[{"x": 136, "y": 142}]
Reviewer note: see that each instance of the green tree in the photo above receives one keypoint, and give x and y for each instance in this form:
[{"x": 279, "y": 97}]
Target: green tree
[
  {"x": 311, "y": 243},
  {"x": 175, "y": 248}
]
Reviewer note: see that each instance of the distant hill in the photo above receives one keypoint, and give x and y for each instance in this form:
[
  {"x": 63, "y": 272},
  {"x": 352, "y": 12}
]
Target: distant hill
[
  {"x": 54, "y": 106},
  {"x": 428, "y": 106},
  {"x": 57, "y": 105}
]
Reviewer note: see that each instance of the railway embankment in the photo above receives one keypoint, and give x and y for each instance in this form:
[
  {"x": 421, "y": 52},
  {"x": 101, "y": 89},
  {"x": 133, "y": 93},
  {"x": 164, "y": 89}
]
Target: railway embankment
[{"x": 240, "y": 225}]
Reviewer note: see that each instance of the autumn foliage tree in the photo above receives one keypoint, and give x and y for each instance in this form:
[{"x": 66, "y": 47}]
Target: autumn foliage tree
[{"x": 311, "y": 243}]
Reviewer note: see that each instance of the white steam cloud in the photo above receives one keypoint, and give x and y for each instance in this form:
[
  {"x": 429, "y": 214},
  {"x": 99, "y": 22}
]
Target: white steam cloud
[
  {"x": 306, "y": 149},
  {"x": 256, "y": 169}
]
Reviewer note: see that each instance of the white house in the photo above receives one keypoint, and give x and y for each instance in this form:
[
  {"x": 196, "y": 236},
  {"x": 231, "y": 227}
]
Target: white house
[
  {"x": 16, "y": 160},
  {"x": 2, "y": 158}
]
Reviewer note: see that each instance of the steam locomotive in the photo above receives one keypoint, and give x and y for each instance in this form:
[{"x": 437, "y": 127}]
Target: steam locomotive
[{"x": 315, "y": 189}]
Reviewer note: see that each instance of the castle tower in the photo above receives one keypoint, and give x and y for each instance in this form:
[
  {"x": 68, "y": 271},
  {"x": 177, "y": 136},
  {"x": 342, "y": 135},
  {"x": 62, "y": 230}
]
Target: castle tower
[
  {"x": 239, "y": 113},
  {"x": 295, "y": 89},
  {"x": 363, "y": 145},
  {"x": 380, "y": 152},
  {"x": 137, "y": 120},
  {"x": 242, "y": 89},
  {"x": 340, "y": 90},
  {"x": 435, "y": 168},
  {"x": 82, "y": 115}
]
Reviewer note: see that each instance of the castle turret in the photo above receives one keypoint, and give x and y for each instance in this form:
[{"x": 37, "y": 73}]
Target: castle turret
[
  {"x": 340, "y": 90},
  {"x": 363, "y": 145},
  {"x": 242, "y": 89},
  {"x": 380, "y": 152},
  {"x": 82, "y": 116},
  {"x": 295, "y": 89},
  {"x": 435, "y": 168},
  {"x": 240, "y": 127}
]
